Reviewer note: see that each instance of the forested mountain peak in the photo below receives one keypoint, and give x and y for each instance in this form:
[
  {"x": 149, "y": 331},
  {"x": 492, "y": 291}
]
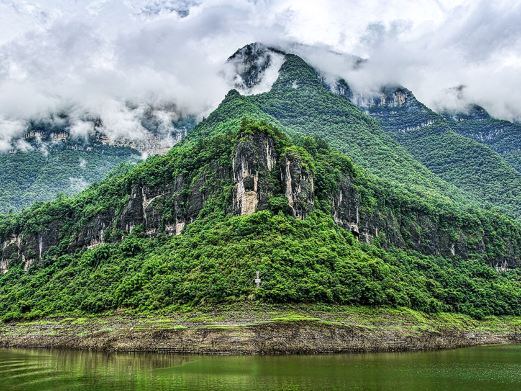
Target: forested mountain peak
[{"x": 470, "y": 112}]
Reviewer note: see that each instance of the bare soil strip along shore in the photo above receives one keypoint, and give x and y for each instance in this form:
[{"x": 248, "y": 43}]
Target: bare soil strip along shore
[{"x": 263, "y": 329}]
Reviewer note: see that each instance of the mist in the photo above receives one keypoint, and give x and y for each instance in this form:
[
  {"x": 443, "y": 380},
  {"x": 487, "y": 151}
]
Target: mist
[{"x": 105, "y": 58}]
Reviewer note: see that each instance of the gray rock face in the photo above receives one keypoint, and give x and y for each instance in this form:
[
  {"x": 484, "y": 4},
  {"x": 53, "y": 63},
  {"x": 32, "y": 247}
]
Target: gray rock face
[
  {"x": 299, "y": 187},
  {"x": 93, "y": 232},
  {"x": 396, "y": 109},
  {"x": 259, "y": 172},
  {"x": 254, "y": 68},
  {"x": 252, "y": 165},
  {"x": 10, "y": 251},
  {"x": 25, "y": 248},
  {"x": 346, "y": 207},
  {"x": 250, "y": 62}
]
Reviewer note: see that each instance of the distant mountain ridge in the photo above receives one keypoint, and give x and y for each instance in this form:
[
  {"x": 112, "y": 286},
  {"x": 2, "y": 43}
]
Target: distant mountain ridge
[
  {"x": 157, "y": 135},
  {"x": 442, "y": 145},
  {"x": 502, "y": 136},
  {"x": 49, "y": 158}
]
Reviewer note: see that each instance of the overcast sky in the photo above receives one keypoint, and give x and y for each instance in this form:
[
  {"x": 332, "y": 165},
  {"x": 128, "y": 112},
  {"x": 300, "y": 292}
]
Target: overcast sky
[{"x": 95, "y": 55}]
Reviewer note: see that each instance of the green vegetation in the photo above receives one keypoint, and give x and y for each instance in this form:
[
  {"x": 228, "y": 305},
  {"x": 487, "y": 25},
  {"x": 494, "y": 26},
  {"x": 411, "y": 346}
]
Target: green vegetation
[
  {"x": 308, "y": 260},
  {"x": 471, "y": 166},
  {"x": 311, "y": 109},
  {"x": 255, "y": 313},
  {"x": 465, "y": 162},
  {"x": 501, "y": 136},
  {"x": 32, "y": 176},
  {"x": 215, "y": 259}
]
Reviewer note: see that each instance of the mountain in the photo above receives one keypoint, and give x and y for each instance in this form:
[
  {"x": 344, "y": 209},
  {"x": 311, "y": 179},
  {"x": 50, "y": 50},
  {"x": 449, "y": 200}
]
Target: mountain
[
  {"x": 302, "y": 102},
  {"x": 256, "y": 187},
  {"x": 500, "y": 135},
  {"x": 444, "y": 147},
  {"x": 401, "y": 141},
  {"x": 49, "y": 159},
  {"x": 58, "y": 167}
]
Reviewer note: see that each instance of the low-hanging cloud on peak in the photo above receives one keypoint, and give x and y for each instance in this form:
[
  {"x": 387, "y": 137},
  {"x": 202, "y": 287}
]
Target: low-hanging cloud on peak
[
  {"x": 475, "y": 44},
  {"x": 103, "y": 58}
]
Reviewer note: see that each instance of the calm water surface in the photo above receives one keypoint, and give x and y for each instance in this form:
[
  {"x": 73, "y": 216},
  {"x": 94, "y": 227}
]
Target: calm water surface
[{"x": 482, "y": 368}]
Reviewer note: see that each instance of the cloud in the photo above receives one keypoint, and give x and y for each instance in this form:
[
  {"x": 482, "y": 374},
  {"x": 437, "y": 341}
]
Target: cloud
[
  {"x": 113, "y": 59},
  {"x": 475, "y": 44},
  {"x": 77, "y": 184},
  {"x": 96, "y": 58},
  {"x": 9, "y": 129}
]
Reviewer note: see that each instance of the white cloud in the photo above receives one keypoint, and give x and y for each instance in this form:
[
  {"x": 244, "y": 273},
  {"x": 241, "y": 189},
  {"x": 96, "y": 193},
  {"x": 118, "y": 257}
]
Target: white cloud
[
  {"x": 81, "y": 129},
  {"x": 77, "y": 184},
  {"x": 475, "y": 43},
  {"x": 8, "y": 130},
  {"x": 100, "y": 57}
]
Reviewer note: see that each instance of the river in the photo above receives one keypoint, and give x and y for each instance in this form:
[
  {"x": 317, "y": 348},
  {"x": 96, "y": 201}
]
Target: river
[{"x": 477, "y": 368}]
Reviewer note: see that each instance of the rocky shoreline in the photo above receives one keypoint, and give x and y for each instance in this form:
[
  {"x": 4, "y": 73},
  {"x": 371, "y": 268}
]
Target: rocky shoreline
[
  {"x": 295, "y": 334},
  {"x": 295, "y": 338}
]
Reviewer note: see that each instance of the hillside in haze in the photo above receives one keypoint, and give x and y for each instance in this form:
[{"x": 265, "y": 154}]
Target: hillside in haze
[{"x": 49, "y": 158}]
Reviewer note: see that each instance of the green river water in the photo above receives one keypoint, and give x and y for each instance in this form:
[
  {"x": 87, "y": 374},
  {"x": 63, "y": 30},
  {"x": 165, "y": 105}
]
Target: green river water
[{"x": 480, "y": 368}]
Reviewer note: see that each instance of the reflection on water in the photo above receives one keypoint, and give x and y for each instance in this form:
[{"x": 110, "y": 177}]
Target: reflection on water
[{"x": 483, "y": 368}]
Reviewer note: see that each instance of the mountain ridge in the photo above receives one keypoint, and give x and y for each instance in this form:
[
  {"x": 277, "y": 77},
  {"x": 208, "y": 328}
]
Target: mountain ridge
[
  {"x": 500, "y": 135},
  {"x": 463, "y": 161}
]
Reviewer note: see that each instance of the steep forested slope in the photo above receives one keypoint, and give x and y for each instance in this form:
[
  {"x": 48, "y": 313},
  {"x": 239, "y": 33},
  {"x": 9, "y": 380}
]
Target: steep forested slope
[
  {"x": 238, "y": 196},
  {"x": 462, "y": 161},
  {"x": 300, "y": 101},
  {"x": 503, "y": 137},
  {"x": 31, "y": 176}
]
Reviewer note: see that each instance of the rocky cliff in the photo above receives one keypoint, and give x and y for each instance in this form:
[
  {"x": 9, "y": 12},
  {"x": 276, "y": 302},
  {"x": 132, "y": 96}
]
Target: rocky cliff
[
  {"x": 263, "y": 171},
  {"x": 395, "y": 107},
  {"x": 254, "y": 68},
  {"x": 257, "y": 172}
]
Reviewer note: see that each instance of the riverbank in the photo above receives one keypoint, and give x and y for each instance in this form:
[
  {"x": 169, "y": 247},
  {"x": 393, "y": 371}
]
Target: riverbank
[{"x": 264, "y": 329}]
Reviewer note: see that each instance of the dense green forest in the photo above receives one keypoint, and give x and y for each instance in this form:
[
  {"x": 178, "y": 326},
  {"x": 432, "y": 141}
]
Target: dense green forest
[
  {"x": 35, "y": 175},
  {"x": 441, "y": 144},
  {"x": 471, "y": 166},
  {"x": 214, "y": 260},
  {"x": 343, "y": 214},
  {"x": 312, "y": 109}
]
